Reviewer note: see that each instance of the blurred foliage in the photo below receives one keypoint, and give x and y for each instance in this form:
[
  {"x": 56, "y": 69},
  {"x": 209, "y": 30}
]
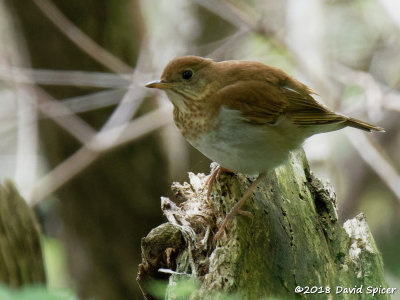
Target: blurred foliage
[
  {"x": 57, "y": 287},
  {"x": 55, "y": 263},
  {"x": 184, "y": 288},
  {"x": 34, "y": 293},
  {"x": 187, "y": 287},
  {"x": 258, "y": 48}
]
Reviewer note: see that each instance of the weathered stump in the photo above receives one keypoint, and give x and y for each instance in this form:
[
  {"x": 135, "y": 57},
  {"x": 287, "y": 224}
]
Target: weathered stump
[{"x": 293, "y": 240}]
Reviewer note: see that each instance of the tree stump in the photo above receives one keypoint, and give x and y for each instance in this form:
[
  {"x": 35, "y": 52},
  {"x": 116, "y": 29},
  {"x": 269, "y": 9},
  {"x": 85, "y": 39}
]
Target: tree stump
[{"x": 293, "y": 246}]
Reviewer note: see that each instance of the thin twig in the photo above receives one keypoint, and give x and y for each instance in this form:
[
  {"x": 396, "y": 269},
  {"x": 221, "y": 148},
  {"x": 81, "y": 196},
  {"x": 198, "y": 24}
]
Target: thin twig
[
  {"x": 377, "y": 159},
  {"x": 241, "y": 18},
  {"x": 372, "y": 88},
  {"x": 226, "y": 44},
  {"x": 27, "y": 138},
  {"x": 59, "y": 77},
  {"x": 227, "y": 11},
  {"x": 94, "y": 101},
  {"x": 131, "y": 100},
  {"x": 70, "y": 122},
  {"x": 78, "y": 104},
  {"x": 87, "y": 154},
  {"x": 139, "y": 127},
  {"x": 80, "y": 39}
]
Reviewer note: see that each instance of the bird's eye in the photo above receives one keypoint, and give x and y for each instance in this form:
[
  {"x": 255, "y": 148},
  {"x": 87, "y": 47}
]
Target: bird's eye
[{"x": 187, "y": 74}]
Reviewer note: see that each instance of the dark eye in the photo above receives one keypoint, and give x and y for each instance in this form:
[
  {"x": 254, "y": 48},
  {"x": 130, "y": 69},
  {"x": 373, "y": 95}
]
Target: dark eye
[{"x": 187, "y": 74}]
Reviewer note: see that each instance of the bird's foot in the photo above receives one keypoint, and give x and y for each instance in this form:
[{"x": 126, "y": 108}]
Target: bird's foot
[
  {"x": 245, "y": 213},
  {"x": 236, "y": 209},
  {"x": 230, "y": 216},
  {"x": 214, "y": 176}
]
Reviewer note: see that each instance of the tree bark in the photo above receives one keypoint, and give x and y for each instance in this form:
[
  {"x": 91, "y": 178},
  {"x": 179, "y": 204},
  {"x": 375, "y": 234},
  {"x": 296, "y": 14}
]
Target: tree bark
[
  {"x": 293, "y": 239},
  {"x": 21, "y": 259}
]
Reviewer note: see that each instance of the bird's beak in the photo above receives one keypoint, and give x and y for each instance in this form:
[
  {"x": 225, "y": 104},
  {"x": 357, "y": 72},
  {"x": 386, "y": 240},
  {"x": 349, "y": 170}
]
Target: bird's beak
[{"x": 159, "y": 84}]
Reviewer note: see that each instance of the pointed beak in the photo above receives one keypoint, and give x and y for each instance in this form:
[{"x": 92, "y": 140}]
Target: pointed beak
[{"x": 159, "y": 84}]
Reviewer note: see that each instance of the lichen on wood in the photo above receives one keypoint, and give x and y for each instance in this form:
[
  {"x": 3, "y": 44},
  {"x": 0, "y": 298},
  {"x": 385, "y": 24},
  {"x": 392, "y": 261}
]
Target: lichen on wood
[{"x": 292, "y": 239}]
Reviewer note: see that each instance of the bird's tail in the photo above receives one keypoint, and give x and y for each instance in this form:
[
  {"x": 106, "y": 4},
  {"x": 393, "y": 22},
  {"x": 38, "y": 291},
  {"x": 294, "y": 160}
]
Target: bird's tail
[{"x": 362, "y": 125}]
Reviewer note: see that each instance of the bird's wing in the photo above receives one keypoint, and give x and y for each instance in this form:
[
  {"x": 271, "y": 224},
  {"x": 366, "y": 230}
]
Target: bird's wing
[
  {"x": 261, "y": 102},
  {"x": 257, "y": 104},
  {"x": 303, "y": 109}
]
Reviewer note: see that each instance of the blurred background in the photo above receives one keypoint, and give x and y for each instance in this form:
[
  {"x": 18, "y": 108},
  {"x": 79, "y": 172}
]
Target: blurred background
[{"x": 92, "y": 150}]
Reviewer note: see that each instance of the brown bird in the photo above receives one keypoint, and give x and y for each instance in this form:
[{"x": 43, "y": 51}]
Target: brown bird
[{"x": 244, "y": 115}]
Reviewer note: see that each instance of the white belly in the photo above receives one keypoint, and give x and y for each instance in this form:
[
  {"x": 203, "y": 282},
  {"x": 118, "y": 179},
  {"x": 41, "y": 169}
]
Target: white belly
[{"x": 246, "y": 148}]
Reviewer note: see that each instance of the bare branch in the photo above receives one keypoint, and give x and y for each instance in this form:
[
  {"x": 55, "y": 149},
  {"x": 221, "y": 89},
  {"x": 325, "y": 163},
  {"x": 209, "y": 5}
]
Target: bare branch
[
  {"x": 94, "y": 101},
  {"x": 70, "y": 122},
  {"x": 243, "y": 17},
  {"x": 77, "y": 104},
  {"x": 69, "y": 78},
  {"x": 85, "y": 156},
  {"x": 376, "y": 158},
  {"x": 80, "y": 39},
  {"x": 372, "y": 88},
  {"x": 226, "y": 44},
  {"x": 27, "y": 138},
  {"x": 138, "y": 128},
  {"x": 131, "y": 101},
  {"x": 74, "y": 125},
  {"x": 230, "y": 13}
]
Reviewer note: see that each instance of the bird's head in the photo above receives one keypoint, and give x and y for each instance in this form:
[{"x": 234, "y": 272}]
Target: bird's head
[{"x": 187, "y": 79}]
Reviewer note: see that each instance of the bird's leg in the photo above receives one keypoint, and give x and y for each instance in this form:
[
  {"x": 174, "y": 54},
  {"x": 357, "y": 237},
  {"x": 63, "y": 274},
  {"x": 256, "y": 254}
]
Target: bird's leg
[
  {"x": 211, "y": 179},
  {"x": 236, "y": 209}
]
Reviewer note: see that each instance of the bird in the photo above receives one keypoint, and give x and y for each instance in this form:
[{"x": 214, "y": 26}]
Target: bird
[{"x": 244, "y": 115}]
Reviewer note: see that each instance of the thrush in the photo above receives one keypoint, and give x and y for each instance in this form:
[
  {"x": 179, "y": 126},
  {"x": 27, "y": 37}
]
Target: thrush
[{"x": 244, "y": 115}]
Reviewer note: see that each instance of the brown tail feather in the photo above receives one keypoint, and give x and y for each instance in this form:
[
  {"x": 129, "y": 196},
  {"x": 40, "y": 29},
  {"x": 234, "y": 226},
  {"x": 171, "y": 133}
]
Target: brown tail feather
[{"x": 362, "y": 125}]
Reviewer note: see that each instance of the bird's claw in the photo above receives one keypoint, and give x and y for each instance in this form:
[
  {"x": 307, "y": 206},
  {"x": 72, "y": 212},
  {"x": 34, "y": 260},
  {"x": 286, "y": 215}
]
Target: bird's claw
[
  {"x": 214, "y": 176},
  {"x": 236, "y": 209},
  {"x": 211, "y": 179},
  {"x": 245, "y": 213}
]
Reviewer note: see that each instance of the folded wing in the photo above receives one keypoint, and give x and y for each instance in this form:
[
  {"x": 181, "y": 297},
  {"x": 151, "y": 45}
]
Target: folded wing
[{"x": 262, "y": 102}]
